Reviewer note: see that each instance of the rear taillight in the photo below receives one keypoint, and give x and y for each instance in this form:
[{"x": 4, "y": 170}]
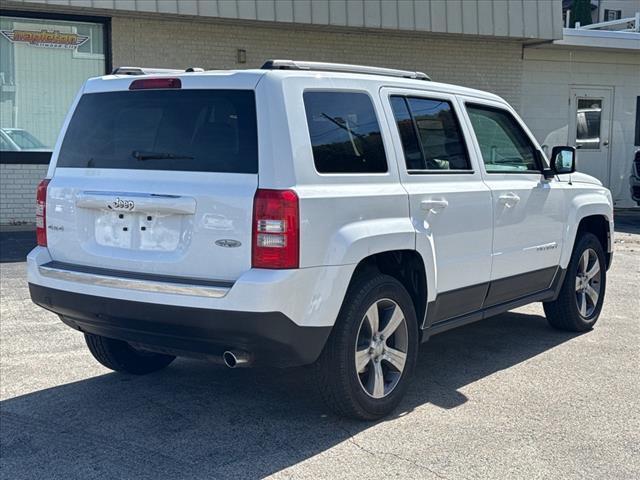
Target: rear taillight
[
  {"x": 276, "y": 229},
  {"x": 41, "y": 212},
  {"x": 151, "y": 83}
]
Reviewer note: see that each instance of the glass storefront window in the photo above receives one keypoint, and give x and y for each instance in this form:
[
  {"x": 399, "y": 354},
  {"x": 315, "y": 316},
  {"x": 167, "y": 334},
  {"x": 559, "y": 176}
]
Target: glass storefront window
[{"x": 43, "y": 63}]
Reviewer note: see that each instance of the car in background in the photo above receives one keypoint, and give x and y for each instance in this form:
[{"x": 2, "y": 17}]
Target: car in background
[
  {"x": 18, "y": 139},
  {"x": 634, "y": 180}
]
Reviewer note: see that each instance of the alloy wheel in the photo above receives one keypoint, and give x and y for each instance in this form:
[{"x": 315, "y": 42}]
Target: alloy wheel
[
  {"x": 588, "y": 284},
  {"x": 381, "y": 348}
]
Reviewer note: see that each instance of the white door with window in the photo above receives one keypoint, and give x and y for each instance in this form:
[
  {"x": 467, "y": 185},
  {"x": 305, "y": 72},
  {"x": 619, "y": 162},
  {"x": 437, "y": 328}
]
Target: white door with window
[
  {"x": 590, "y": 130},
  {"x": 450, "y": 205},
  {"x": 528, "y": 210}
]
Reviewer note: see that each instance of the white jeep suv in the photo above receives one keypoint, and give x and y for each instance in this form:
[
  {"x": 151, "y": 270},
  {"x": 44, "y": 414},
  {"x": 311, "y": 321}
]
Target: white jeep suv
[{"x": 307, "y": 214}]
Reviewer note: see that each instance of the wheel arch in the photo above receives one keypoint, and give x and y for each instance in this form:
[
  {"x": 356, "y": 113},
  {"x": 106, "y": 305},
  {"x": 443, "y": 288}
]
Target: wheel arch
[
  {"x": 598, "y": 221},
  {"x": 406, "y": 266}
]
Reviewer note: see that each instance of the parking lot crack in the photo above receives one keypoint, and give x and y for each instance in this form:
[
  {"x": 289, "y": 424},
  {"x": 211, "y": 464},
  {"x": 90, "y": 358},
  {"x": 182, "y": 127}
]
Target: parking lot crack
[{"x": 418, "y": 465}]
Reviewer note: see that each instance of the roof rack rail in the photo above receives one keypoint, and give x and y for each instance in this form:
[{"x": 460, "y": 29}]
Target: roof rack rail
[
  {"x": 341, "y": 67},
  {"x": 151, "y": 71}
]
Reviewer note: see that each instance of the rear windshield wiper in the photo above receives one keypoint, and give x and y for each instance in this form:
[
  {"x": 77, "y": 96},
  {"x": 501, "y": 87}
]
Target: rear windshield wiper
[{"x": 138, "y": 155}]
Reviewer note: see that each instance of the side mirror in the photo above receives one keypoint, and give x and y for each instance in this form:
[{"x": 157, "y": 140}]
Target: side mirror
[{"x": 563, "y": 159}]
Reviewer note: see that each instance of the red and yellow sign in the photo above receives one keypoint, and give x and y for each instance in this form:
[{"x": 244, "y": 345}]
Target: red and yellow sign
[{"x": 45, "y": 38}]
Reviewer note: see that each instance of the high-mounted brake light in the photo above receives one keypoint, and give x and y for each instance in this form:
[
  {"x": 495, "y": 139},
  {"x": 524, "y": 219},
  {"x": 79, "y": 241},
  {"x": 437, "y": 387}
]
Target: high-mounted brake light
[
  {"x": 41, "y": 212},
  {"x": 276, "y": 229},
  {"x": 150, "y": 83}
]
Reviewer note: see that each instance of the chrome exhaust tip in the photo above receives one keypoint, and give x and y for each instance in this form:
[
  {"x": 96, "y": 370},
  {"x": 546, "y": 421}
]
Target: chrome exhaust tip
[{"x": 236, "y": 359}]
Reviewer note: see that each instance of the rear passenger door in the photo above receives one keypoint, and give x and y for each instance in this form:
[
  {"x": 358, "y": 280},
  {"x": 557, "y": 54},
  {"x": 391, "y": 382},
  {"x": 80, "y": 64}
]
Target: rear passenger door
[
  {"x": 528, "y": 210},
  {"x": 450, "y": 206}
]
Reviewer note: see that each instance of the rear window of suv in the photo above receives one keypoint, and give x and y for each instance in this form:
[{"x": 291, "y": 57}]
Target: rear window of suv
[
  {"x": 179, "y": 130},
  {"x": 345, "y": 134}
]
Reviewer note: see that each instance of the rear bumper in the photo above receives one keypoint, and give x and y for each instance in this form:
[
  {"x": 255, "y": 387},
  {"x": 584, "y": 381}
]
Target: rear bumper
[
  {"x": 271, "y": 337},
  {"x": 310, "y": 297}
]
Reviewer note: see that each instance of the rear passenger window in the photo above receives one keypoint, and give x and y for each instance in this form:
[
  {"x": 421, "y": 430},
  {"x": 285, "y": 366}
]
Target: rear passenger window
[
  {"x": 345, "y": 134},
  {"x": 431, "y": 135}
]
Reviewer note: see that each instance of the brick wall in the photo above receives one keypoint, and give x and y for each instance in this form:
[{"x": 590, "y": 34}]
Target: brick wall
[
  {"x": 18, "y": 192},
  {"x": 484, "y": 63}
]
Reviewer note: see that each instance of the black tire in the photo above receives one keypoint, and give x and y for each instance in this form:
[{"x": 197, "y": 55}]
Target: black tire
[
  {"x": 564, "y": 313},
  {"x": 336, "y": 377},
  {"x": 122, "y": 357}
]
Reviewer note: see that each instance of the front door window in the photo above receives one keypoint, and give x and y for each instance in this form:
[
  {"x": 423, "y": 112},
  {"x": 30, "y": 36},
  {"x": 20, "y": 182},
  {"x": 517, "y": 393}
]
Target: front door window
[{"x": 588, "y": 120}]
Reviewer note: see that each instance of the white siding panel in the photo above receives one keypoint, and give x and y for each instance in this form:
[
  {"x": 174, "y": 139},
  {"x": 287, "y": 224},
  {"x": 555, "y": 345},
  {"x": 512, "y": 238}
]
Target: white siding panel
[
  {"x": 545, "y": 18},
  {"x": 556, "y": 15},
  {"x": 423, "y": 15},
  {"x": 501, "y": 18},
  {"x": 438, "y": 15},
  {"x": 485, "y": 17},
  {"x": 372, "y": 14},
  {"x": 284, "y": 10},
  {"x": 531, "y": 19},
  {"x": 302, "y": 11},
  {"x": 406, "y": 15},
  {"x": 247, "y": 9},
  {"x": 516, "y": 18},
  {"x": 167, "y": 6},
  {"x": 188, "y": 7},
  {"x": 146, "y": 5},
  {"x": 470, "y": 18},
  {"x": 355, "y": 13},
  {"x": 266, "y": 10},
  {"x": 454, "y": 16},
  {"x": 338, "y": 12},
  {"x": 320, "y": 12},
  {"x": 125, "y": 4},
  {"x": 389, "y": 13},
  {"x": 208, "y": 9},
  {"x": 228, "y": 8}
]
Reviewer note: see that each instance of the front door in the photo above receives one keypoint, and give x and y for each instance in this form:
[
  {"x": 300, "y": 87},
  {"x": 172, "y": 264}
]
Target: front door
[
  {"x": 590, "y": 129},
  {"x": 528, "y": 210}
]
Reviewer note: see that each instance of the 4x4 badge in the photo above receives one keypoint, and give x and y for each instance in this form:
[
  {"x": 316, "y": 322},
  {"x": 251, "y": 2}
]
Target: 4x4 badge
[{"x": 228, "y": 243}]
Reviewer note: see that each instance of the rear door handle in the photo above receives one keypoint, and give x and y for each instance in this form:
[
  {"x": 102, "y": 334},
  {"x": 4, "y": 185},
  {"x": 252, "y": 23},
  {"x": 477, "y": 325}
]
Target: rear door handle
[
  {"x": 433, "y": 205},
  {"x": 509, "y": 199}
]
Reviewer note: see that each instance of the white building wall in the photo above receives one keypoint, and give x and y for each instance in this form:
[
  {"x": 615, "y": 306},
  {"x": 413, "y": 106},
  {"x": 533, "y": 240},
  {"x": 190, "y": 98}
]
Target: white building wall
[{"x": 549, "y": 73}]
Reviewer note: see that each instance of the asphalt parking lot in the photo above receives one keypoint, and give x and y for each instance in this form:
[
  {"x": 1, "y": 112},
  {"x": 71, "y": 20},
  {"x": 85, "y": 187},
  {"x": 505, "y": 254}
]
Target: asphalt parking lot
[{"x": 504, "y": 398}]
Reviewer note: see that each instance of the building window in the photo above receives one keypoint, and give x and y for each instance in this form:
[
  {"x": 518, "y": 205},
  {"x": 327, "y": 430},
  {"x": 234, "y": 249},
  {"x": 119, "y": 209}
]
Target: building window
[
  {"x": 93, "y": 47},
  {"x": 610, "y": 15},
  {"x": 44, "y": 59}
]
